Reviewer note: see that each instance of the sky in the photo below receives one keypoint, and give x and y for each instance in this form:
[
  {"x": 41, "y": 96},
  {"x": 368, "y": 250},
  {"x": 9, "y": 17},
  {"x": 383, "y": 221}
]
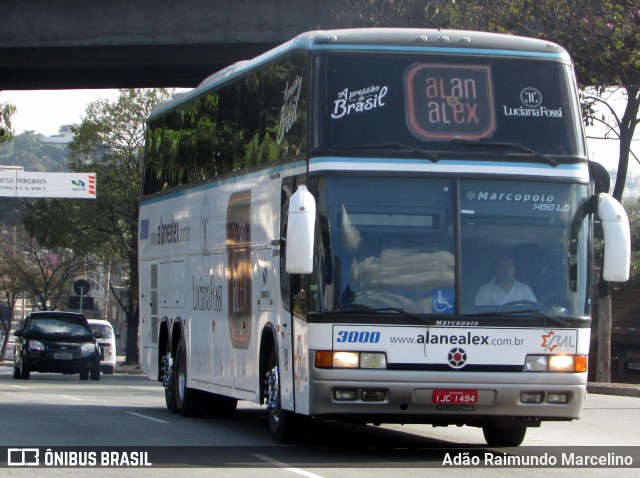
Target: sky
[{"x": 45, "y": 111}]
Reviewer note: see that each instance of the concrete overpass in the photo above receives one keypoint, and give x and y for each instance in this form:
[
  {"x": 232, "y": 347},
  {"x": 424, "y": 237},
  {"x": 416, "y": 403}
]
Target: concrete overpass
[{"x": 68, "y": 44}]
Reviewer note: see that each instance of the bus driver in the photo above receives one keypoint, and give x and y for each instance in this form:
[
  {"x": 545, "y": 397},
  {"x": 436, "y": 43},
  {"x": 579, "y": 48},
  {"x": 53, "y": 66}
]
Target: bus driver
[{"x": 504, "y": 288}]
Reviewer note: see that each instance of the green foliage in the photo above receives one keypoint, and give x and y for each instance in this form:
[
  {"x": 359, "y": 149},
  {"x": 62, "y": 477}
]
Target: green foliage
[
  {"x": 109, "y": 142},
  {"x": 7, "y": 110},
  {"x": 633, "y": 212},
  {"x": 29, "y": 151},
  {"x": 603, "y": 37}
]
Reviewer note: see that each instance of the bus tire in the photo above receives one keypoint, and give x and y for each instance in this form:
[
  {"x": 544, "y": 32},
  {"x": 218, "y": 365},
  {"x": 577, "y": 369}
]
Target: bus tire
[
  {"x": 168, "y": 379},
  {"x": 286, "y": 426},
  {"x": 504, "y": 436},
  {"x": 189, "y": 403}
]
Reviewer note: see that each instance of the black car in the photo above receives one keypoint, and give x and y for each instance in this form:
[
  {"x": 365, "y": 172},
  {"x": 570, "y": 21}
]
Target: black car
[{"x": 59, "y": 342}]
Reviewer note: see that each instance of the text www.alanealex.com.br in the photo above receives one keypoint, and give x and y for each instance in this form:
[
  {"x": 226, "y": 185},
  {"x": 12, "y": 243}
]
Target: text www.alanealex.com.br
[
  {"x": 461, "y": 339},
  {"x": 428, "y": 337}
]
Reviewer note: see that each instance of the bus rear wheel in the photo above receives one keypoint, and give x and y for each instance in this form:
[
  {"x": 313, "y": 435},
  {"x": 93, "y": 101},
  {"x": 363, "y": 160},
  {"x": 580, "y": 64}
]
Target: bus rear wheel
[
  {"x": 286, "y": 426},
  {"x": 504, "y": 436},
  {"x": 167, "y": 379},
  {"x": 188, "y": 402}
]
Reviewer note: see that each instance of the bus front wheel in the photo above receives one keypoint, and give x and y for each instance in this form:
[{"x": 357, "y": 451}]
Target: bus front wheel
[
  {"x": 286, "y": 426},
  {"x": 504, "y": 436}
]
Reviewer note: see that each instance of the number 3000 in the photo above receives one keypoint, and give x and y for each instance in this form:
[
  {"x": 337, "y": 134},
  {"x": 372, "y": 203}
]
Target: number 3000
[{"x": 358, "y": 337}]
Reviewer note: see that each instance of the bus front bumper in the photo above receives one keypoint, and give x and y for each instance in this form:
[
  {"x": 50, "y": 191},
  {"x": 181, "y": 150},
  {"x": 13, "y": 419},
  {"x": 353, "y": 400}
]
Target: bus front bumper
[{"x": 445, "y": 397}]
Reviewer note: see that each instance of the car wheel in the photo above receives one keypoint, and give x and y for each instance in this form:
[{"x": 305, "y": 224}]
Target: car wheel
[
  {"x": 95, "y": 373},
  {"x": 108, "y": 370},
  {"x": 84, "y": 374},
  {"x": 21, "y": 372}
]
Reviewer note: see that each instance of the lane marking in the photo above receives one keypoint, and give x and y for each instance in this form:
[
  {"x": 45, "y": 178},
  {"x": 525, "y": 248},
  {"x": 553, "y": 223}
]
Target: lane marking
[
  {"x": 73, "y": 398},
  {"x": 20, "y": 386},
  {"x": 148, "y": 418},
  {"x": 286, "y": 466}
]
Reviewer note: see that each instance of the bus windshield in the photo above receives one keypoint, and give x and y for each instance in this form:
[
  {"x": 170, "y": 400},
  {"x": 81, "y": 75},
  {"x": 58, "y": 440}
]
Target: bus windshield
[
  {"x": 394, "y": 243},
  {"x": 437, "y": 103}
]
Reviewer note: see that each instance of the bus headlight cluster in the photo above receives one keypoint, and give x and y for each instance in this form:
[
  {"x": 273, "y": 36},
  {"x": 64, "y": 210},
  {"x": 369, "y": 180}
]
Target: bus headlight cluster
[
  {"x": 343, "y": 359},
  {"x": 556, "y": 363}
]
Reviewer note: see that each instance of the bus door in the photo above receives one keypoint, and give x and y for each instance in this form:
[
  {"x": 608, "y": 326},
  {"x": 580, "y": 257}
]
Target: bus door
[
  {"x": 149, "y": 318},
  {"x": 292, "y": 351}
]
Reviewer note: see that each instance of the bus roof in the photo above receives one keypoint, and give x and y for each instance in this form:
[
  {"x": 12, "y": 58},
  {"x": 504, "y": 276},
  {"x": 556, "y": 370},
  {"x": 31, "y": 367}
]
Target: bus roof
[{"x": 382, "y": 39}]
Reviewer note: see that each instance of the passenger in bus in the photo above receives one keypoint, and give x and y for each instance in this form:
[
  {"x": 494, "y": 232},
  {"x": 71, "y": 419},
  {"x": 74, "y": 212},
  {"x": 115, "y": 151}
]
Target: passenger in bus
[{"x": 504, "y": 288}]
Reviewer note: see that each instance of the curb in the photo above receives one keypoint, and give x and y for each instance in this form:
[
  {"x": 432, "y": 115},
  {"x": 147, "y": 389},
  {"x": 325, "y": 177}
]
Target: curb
[
  {"x": 619, "y": 389},
  {"x": 122, "y": 369}
]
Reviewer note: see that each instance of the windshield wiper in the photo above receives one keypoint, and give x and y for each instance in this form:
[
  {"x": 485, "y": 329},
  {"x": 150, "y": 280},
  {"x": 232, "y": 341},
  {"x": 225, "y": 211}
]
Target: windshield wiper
[
  {"x": 363, "y": 309},
  {"x": 430, "y": 155},
  {"x": 519, "y": 147},
  {"x": 512, "y": 313}
]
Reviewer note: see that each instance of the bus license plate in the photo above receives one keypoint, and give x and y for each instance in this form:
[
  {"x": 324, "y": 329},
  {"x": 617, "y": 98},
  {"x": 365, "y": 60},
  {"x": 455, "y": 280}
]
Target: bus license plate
[{"x": 455, "y": 396}]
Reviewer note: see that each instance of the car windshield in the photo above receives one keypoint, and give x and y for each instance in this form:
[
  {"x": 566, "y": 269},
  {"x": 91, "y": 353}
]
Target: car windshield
[
  {"x": 106, "y": 330},
  {"x": 60, "y": 325}
]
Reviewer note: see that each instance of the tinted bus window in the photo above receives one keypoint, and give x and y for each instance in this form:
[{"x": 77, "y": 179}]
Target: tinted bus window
[{"x": 428, "y": 101}]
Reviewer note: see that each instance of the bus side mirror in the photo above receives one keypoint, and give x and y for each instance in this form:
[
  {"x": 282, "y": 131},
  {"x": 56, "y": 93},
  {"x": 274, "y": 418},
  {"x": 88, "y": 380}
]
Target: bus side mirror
[
  {"x": 617, "y": 239},
  {"x": 300, "y": 227},
  {"x": 600, "y": 177}
]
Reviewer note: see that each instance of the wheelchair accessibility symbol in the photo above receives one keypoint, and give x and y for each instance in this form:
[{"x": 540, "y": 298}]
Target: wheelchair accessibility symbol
[{"x": 443, "y": 301}]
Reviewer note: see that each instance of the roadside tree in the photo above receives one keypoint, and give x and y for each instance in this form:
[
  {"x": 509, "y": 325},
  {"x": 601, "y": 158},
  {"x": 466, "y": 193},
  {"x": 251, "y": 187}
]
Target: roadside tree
[{"x": 109, "y": 142}]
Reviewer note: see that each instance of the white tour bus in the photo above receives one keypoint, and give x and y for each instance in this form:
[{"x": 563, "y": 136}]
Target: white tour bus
[{"x": 320, "y": 228}]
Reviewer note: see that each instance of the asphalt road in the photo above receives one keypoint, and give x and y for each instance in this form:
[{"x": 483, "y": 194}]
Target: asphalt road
[{"x": 127, "y": 410}]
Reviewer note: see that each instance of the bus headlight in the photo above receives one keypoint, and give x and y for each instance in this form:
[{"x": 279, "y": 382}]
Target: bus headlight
[
  {"x": 556, "y": 363},
  {"x": 562, "y": 363},
  {"x": 345, "y": 359},
  {"x": 373, "y": 360}
]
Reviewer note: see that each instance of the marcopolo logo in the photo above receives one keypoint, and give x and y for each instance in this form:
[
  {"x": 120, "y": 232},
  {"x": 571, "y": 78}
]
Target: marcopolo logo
[{"x": 509, "y": 196}]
